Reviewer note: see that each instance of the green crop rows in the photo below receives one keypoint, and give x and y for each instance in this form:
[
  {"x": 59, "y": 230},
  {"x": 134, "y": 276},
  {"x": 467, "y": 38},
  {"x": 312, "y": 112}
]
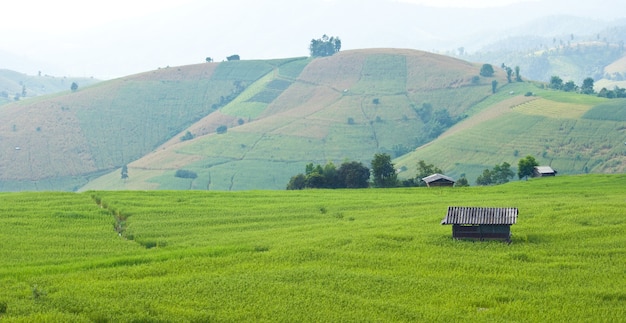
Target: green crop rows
[{"x": 316, "y": 255}]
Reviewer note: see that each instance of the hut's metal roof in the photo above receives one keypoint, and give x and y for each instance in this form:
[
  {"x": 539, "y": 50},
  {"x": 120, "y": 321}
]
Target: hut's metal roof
[
  {"x": 435, "y": 177},
  {"x": 545, "y": 169},
  {"x": 480, "y": 215}
]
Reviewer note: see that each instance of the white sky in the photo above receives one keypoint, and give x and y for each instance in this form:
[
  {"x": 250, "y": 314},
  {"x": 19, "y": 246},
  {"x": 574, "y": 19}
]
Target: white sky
[{"x": 113, "y": 38}]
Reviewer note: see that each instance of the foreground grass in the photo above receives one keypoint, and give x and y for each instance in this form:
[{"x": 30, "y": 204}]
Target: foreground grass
[{"x": 319, "y": 255}]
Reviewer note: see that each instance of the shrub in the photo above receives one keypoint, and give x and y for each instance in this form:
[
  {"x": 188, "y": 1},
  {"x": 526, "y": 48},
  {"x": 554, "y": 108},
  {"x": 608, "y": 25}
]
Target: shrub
[
  {"x": 183, "y": 173},
  {"x": 188, "y": 136},
  {"x": 221, "y": 129}
]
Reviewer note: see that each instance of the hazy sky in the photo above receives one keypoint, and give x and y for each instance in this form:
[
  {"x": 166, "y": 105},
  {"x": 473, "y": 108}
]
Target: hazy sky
[{"x": 113, "y": 38}]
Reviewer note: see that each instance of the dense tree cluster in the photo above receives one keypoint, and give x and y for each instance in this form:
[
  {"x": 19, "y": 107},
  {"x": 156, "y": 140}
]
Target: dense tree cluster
[
  {"x": 325, "y": 46},
  {"x": 500, "y": 174},
  {"x": 349, "y": 175}
]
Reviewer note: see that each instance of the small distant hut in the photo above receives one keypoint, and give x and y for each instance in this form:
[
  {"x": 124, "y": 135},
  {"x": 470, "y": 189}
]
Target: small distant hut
[
  {"x": 481, "y": 223},
  {"x": 435, "y": 180},
  {"x": 541, "y": 171}
]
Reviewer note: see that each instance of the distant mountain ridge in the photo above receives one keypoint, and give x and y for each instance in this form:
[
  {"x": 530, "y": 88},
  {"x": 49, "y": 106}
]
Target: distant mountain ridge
[{"x": 18, "y": 86}]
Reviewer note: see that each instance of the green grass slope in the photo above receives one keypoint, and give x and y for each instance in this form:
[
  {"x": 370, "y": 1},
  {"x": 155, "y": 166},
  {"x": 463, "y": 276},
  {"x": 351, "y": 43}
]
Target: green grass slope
[
  {"x": 347, "y": 106},
  {"x": 316, "y": 255},
  {"x": 571, "y": 132},
  {"x": 59, "y": 142}
]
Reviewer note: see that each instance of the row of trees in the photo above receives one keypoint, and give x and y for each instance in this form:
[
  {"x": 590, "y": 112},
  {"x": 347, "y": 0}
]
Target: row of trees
[
  {"x": 556, "y": 83},
  {"x": 384, "y": 175},
  {"x": 356, "y": 175},
  {"x": 349, "y": 175},
  {"x": 586, "y": 87}
]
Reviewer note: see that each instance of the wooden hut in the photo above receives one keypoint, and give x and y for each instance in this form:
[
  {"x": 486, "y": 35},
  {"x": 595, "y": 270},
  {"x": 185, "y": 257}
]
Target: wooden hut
[
  {"x": 481, "y": 223},
  {"x": 438, "y": 180},
  {"x": 541, "y": 171}
]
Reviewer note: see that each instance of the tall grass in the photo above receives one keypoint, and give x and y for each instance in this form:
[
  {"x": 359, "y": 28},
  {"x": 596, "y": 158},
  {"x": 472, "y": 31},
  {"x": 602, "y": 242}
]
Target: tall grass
[{"x": 317, "y": 255}]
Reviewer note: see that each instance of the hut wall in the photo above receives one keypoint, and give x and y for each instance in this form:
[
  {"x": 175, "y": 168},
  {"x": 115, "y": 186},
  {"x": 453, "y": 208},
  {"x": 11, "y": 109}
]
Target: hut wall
[{"x": 481, "y": 232}]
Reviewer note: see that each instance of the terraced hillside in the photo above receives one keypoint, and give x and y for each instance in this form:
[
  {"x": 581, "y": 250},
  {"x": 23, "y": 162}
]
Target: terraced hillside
[
  {"x": 242, "y": 125},
  {"x": 348, "y": 106},
  {"x": 59, "y": 142},
  {"x": 573, "y": 133}
]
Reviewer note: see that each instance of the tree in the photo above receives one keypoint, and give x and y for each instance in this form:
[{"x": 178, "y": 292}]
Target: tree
[
  {"x": 462, "y": 182},
  {"x": 556, "y": 83},
  {"x": 570, "y": 86},
  {"x": 500, "y": 174},
  {"x": 424, "y": 170},
  {"x": 330, "y": 176},
  {"x": 124, "y": 172},
  {"x": 233, "y": 58},
  {"x": 297, "y": 182},
  {"x": 209, "y": 59},
  {"x": 486, "y": 70},
  {"x": 526, "y": 166},
  {"x": 587, "y": 87},
  {"x": 518, "y": 77},
  {"x": 494, "y": 86},
  {"x": 74, "y": 87},
  {"x": 509, "y": 71},
  {"x": 353, "y": 175},
  {"x": 325, "y": 46},
  {"x": 188, "y": 136},
  {"x": 485, "y": 178},
  {"x": 383, "y": 171},
  {"x": 221, "y": 129}
]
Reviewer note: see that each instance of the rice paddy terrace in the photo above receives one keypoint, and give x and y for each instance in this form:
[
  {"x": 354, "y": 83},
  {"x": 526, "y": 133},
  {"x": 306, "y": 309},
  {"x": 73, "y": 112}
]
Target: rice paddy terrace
[{"x": 314, "y": 255}]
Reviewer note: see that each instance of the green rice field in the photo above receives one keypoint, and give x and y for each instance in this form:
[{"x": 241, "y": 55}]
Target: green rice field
[{"x": 370, "y": 255}]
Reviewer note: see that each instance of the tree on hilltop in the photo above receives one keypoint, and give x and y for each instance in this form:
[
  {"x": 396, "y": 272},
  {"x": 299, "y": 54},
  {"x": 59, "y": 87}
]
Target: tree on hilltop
[{"x": 325, "y": 46}]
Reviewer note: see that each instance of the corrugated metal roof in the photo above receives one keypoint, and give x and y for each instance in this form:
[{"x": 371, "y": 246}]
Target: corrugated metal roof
[
  {"x": 435, "y": 177},
  {"x": 480, "y": 215},
  {"x": 544, "y": 169}
]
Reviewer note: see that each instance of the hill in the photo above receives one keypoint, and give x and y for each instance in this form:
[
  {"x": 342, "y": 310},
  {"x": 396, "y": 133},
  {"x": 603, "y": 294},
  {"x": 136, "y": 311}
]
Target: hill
[
  {"x": 573, "y": 133},
  {"x": 21, "y": 86},
  {"x": 60, "y": 141},
  {"x": 315, "y": 255},
  {"x": 243, "y": 125},
  {"x": 572, "y": 48},
  {"x": 279, "y": 115},
  {"x": 347, "y": 106}
]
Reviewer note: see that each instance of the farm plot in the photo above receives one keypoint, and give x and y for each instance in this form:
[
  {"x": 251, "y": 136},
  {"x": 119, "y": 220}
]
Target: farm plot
[{"x": 316, "y": 255}]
